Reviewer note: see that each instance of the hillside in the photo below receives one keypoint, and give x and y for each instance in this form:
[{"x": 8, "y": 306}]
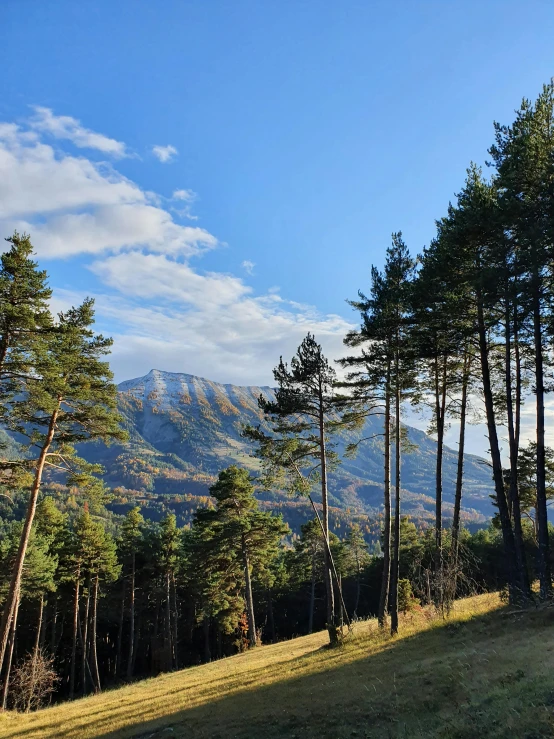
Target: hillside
[
  {"x": 485, "y": 672},
  {"x": 184, "y": 429}
]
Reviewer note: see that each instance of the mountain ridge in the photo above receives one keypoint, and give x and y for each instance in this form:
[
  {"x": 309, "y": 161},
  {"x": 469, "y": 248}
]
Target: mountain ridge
[{"x": 184, "y": 428}]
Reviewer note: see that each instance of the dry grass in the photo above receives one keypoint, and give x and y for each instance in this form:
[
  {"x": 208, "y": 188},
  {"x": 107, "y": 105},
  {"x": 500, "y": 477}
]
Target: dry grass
[{"x": 485, "y": 672}]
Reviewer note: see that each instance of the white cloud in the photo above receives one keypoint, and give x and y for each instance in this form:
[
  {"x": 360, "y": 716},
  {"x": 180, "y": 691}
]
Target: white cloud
[
  {"x": 71, "y": 205},
  {"x": 161, "y": 310},
  {"x": 164, "y": 153},
  {"x": 66, "y": 127},
  {"x": 248, "y": 266},
  {"x": 237, "y": 341},
  {"x": 114, "y": 228},
  {"x": 34, "y": 180},
  {"x": 186, "y": 195},
  {"x": 153, "y": 276},
  {"x": 186, "y": 198}
]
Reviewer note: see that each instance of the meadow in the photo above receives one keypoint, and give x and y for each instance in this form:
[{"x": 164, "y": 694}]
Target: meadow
[{"x": 487, "y": 670}]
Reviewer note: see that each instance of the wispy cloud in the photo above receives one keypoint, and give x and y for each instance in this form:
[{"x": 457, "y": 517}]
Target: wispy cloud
[
  {"x": 164, "y": 153},
  {"x": 248, "y": 266},
  {"x": 67, "y": 127},
  {"x": 186, "y": 195}
]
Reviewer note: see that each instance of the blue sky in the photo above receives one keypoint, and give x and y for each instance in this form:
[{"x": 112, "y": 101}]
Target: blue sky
[{"x": 301, "y": 135}]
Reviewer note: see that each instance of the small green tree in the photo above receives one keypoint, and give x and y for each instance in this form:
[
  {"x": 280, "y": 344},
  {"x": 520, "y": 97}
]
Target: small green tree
[
  {"x": 527, "y": 481},
  {"x": 356, "y": 558},
  {"x": 309, "y": 562},
  {"x": 248, "y": 533}
]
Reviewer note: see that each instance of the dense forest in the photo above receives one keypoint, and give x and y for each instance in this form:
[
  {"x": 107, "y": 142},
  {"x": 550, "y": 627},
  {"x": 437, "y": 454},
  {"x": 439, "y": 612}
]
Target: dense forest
[{"x": 91, "y": 599}]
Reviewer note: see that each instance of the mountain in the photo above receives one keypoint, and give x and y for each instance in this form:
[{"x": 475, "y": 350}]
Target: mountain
[{"x": 184, "y": 429}]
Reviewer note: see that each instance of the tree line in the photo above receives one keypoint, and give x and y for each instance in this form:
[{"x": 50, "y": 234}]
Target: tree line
[{"x": 465, "y": 325}]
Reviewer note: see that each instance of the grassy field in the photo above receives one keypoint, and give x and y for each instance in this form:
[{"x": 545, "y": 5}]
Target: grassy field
[{"x": 487, "y": 671}]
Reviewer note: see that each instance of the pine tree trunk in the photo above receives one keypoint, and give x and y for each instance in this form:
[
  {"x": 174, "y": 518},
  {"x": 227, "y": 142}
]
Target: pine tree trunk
[
  {"x": 42, "y": 639},
  {"x": 460, "y": 467},
  {"x": 544, "y": 545},
  {"x": 525, "y": 593},
  {"x": 35, "y": 654},
  {"x": 94, "y": 655},
  {"x": 137, "y": 637},
  {"x": 396, "y": 553},
  {"x": 8, "y": 612},
  {"x": 207, "y": 652},
  {"x": 248, "y": 592},
  {"x": 131, "y": 620},
  {"x": 169, "y": 651},
  {"x": 312, "y": 598},
  {"x": 271, "y": 615},
  {"x": 4, "y": 346},
  {"x": 385, "y": 581},
  {"x": 358, "y": 586},
  {"x": 85, "y": 642},
  {"x": 74, "y": 635},
  {"x": 341, "y": 602},
  {"x": 11, "y": 645},
  {"x": 331, "y": 626},
  {"x": 117, "y": 666},
  {"x": 54, "y": 622},
  {"x": 175, "y": 622},
  {"x": 514, "y": 577},
  {"x": 440, "y": 413}
]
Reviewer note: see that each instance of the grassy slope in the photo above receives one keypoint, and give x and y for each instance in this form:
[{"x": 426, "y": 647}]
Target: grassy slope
[{"x": 486, "y": 672}]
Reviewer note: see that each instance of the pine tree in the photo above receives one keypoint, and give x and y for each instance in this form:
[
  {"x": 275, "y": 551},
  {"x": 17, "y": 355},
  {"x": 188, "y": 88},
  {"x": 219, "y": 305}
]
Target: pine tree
[
  {"x": 527, "y": 479},
  {"x": 357, "y": 558},
  {"x": 244, "y": 530},
  {"x": 169, "y": 542},
  {"x": 129, "y": 545},
  {"x": 386, "y": 369},
  {"x": 309, "y": 562},
  {"x": 523, "y": 155},
  {"x": 441, "y": 336},
  {"x": 91, "y": 559},
  {"x": 214, "y": 574},
  {"x": 71, "y": 399},
  {"x": 471, "y": 232},
  {"x": 24, "y": 314},
  {"x": 306, "y": 412}
]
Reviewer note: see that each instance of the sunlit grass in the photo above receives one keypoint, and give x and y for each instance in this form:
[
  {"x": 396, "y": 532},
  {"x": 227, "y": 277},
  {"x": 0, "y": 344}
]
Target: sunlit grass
[{"x": 484, "y": 671}]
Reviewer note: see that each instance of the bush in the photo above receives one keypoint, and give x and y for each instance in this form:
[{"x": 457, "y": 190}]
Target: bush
[
  {"x": 406, "y": 600},
  {"x": 33, "y": 681}
]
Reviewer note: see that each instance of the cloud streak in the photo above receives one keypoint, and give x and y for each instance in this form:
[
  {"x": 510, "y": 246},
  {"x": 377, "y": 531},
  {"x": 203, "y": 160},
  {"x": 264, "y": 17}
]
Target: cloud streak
[{"x": 66, "y": 127}]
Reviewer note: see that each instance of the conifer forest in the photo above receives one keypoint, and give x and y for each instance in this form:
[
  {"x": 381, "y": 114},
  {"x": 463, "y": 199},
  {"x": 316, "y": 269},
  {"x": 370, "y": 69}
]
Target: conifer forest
[{"x": 460, "y": 329}]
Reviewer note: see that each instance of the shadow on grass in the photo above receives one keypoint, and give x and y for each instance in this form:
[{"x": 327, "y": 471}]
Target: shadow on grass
[{"x": 434, "y": 683}]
